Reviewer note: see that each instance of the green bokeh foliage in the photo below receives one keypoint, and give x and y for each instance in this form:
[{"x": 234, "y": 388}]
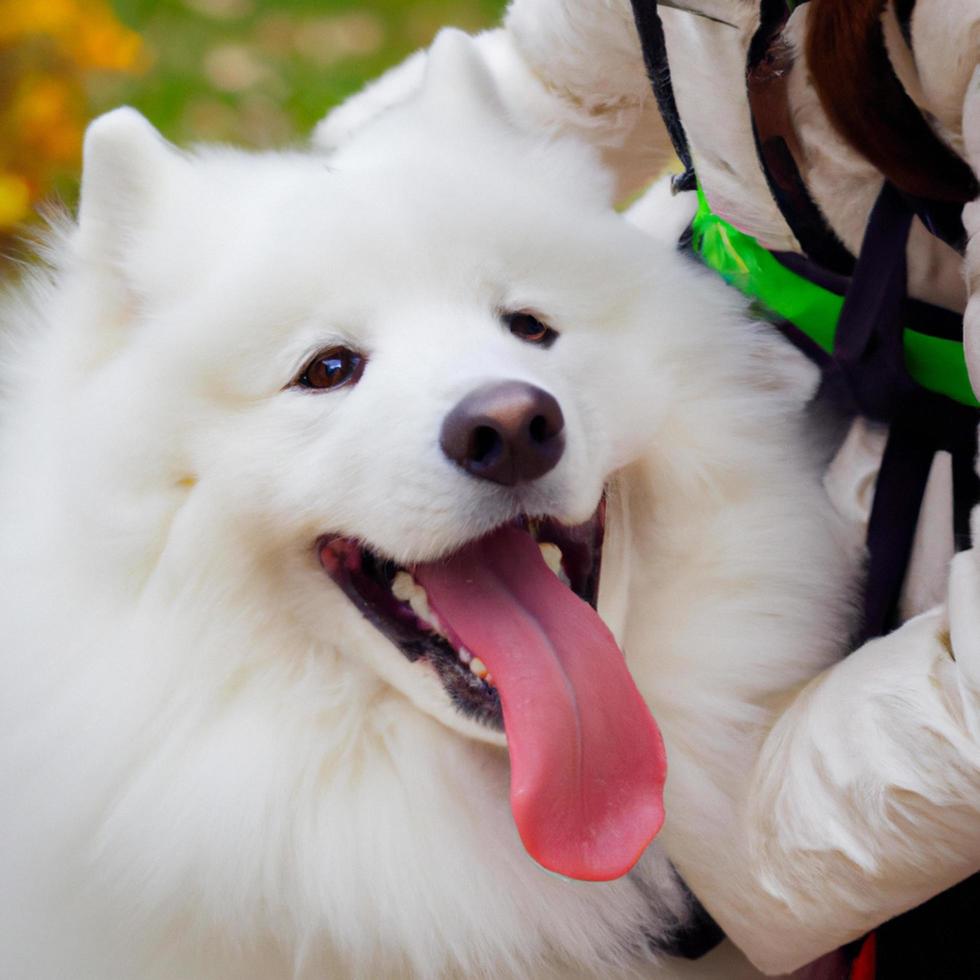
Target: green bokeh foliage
[{"x": 297, "y": 83}]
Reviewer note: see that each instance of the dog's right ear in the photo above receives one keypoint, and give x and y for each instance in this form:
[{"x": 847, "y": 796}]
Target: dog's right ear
[
  {"x": 128, "y": 168},
  {"x": 458, "y": 82}
]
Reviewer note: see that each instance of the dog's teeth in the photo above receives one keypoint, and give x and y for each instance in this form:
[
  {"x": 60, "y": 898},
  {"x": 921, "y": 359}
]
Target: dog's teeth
[
  {"x": 551, "y": 554},
  {"x": 403, "y": 587},
  {"x": 420, "y": 606},
  {"x": 464, "y": 655},
  {"x": 478, "y": 667}
]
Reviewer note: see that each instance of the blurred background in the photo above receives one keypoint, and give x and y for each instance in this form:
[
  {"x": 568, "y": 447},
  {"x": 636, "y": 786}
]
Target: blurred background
[{"x": 253, "y": 72}]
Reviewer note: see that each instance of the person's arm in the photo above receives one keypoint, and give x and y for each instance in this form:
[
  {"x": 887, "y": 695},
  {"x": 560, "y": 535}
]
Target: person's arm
[{"x": 865, "y": 800}]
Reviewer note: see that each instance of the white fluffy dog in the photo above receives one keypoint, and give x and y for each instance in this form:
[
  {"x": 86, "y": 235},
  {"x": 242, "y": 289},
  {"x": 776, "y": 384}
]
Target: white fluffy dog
[{"x": 279, "y": 434}]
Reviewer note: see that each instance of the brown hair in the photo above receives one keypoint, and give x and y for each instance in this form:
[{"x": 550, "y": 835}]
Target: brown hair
[{"x": 868, "y": 106}]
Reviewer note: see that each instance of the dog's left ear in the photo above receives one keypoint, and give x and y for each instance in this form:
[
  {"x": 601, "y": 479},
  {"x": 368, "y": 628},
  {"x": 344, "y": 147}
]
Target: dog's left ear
[{"x": 128, "y": 170}]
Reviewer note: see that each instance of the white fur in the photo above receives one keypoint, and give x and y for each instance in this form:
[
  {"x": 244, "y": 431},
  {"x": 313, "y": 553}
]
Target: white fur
[
  {"x": 211, "y": 766},
  {"x": 614, "y": 111}
]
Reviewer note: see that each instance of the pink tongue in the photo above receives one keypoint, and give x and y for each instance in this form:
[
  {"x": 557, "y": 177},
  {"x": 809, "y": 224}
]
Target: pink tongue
[{"x": 587, "y": 759}]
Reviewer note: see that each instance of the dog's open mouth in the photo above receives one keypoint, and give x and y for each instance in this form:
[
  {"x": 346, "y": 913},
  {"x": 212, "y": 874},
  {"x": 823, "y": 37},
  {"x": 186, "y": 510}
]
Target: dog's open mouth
[
  {"x": 396, "y": 603},
  {"x": 509, "y": 623}
]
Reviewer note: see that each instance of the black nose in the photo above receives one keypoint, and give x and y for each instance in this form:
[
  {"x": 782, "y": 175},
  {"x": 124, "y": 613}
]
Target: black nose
[{"x": 507, "y": 433}]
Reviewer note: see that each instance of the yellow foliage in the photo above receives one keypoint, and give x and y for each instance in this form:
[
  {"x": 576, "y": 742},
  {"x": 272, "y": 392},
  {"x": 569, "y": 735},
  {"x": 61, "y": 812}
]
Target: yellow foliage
[
  {"x": 47, "y": 50},
  {"x": 86, "y": 32},
  {"x": 15, "y": 199}
]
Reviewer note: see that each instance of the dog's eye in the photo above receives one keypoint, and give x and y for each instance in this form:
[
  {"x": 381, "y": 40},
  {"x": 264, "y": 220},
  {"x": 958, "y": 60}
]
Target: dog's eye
[
  {"x": 527, "y": 327},
  {"x": 332, "y": 368}
]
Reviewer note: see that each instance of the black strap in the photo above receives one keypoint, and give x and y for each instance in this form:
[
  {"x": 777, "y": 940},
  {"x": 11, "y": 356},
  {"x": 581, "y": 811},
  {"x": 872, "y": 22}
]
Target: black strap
[
  {"x": 966, "y": 482},
  {"x": 698, "y": 934},
  {"x": 903, "y": 13},
  {"x": 770, "y": 60},
  {"x": 651, "y": 31},
  {"x": 869, "y": 355},
  {"x": 898, "y": 495},
  {"x": 942, "y": 219},
  {"x": 868, "y": 349}
]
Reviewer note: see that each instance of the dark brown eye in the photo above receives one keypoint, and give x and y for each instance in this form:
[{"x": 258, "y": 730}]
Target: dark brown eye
[
  {"x": 332, "y": 369},
  {"x": 527, "y": 327}
]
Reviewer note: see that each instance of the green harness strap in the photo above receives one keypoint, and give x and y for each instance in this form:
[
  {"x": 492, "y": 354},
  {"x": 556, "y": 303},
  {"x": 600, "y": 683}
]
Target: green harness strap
[{"x": 935, "y": 363}]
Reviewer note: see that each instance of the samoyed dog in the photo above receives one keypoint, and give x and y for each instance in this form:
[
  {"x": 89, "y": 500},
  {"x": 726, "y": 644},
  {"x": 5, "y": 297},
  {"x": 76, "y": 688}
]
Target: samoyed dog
[{"x": 307, "y": 467}]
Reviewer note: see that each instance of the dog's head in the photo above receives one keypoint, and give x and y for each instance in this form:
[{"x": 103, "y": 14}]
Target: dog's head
[{"x": 388, "y": 388}]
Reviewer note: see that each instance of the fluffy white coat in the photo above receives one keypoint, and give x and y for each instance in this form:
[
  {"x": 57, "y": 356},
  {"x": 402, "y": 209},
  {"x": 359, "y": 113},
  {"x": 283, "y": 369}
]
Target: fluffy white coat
[{"x": 211, "y": 766}]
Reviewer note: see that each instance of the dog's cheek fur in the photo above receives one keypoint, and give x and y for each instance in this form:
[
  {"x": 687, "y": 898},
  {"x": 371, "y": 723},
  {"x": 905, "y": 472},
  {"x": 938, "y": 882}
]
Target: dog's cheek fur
[{"x": 252, "y": 791}]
